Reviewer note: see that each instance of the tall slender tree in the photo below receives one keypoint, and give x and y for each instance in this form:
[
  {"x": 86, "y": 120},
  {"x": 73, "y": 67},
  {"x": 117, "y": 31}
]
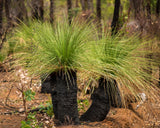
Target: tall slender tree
[
  {"x": 148, "y": 8},
  {"x": 52, "y": 11},
  {"x": 1, "y": 17},
  {"x": 137, "y": 5},
  {"x": 90, "y": 4},
  {"x": 76, "y": 4},
  {"x": 22, "y": 11},
  {"x": 7, "y": 11},
  {"x": 115, "y": 20},
  {"x": 69, "y": 7},
  {"x": 98, "y": 8},
  {"x": 86, "y": 5},
  {"x": 98, "y": 13},
  {"x": 83, "y": 5},
  {"x": 158, "y": 8}
]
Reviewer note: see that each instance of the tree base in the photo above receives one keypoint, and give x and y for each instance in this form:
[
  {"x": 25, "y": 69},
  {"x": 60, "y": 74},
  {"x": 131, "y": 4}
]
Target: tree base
[
  {"x": 64, "y": 97},
  {"x": 100, "y": 104}
]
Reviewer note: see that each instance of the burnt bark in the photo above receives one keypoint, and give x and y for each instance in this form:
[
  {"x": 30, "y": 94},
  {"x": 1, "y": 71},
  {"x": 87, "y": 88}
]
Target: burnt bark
[
  {"x": 157, "y": 8},
  {"x": 100, "y": 104},
  {"x": 98, "y": 8},
  {"x": 52, "y": 11},
  {"x": 115, "y": 21},
  {"x": 64, "y": 96},
  {"x": 1, "y": 17},
  {"x": 69, "y": 7},
  {"x": 98, "y": 13}
]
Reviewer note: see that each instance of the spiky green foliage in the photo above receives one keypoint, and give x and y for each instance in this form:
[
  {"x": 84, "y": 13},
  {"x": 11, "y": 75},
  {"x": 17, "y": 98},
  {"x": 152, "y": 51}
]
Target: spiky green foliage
[
  {"x": 43, "y": 48},
  {"x": 123, "y": 58}
]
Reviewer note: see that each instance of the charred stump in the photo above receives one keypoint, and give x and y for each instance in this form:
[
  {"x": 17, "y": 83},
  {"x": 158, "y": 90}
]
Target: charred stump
[
  {"x": 64, "y": 96},
  {"x": 100, "y": 104}
]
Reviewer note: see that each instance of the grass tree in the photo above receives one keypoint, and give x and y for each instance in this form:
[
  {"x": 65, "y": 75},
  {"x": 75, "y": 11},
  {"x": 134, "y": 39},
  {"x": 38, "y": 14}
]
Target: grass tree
[
  {"x": 60, "y": 51},
  {"x": 122, "y": 67},
  {"x": 57, "y": 51}
]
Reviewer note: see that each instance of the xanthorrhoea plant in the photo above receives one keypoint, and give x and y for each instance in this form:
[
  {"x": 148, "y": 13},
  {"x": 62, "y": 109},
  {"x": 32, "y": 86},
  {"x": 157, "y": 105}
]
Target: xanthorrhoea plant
[
  {"x": 121, "y": 64},
  {"x": 59, "y": 52}
]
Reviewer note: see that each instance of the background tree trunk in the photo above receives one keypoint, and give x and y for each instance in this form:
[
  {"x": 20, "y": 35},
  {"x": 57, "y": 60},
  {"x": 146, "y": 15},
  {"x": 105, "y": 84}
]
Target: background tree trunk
[
  {"x": 52, "y": 11},
  {"x": 157, "y": 8},
  {"x": 37, "y": 9},
  {"x": 98, "y": 8},
  {"x": 148, "y": 8},
  {"x": 69, "y": 7},
  {"x": 83, "y": 5},
  {"x": 41, "y": 10},
  {"x": 20, "y": 6},
  {"x": 76, "y": 4},
  {"x": 89, "y": 4},
  {"x": 7, "y": 11},
  {"x": 100, "y": 103},
  {"x": 115, "y": 21},
  {"x": 1, "y": 17}
]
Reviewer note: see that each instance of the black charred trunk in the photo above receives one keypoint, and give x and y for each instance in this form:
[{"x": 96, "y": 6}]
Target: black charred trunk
[
  {"x": 99, "y": 25},
  {"x": 157, "y": 8},
  {"x": 64, "y": 96},
  {"x": 115, "y": 21},
  {"x": 41, "y": 10},
  {"x": 100, "y": 104},
  {"x": 69, "y": 7},
  {"x": 98, "y": 8},
  {"x": 52, "y": 11}
]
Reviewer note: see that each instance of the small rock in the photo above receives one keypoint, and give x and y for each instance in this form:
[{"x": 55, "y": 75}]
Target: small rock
[
  {"x": 47, "y": 122},
  {"x": 21, "y": 110},
  {"x": 22, "y": 115}
]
